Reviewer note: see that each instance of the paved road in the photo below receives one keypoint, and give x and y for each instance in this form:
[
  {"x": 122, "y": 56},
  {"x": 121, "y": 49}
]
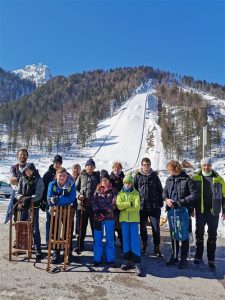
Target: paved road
[{"x": 29, "y": 280}]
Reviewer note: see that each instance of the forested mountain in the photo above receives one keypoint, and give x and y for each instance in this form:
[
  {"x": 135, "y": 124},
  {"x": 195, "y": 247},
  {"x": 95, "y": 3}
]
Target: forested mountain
[
  {"x": 12, "y": 87},
  {"x": 64, "y": 112}
]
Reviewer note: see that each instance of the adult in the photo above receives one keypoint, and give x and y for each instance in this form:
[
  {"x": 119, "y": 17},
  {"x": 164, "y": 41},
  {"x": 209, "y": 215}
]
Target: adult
[
  {"x": 211, "y": 187},
  {"x": 47, "y": 178},
  {"x": 76, "y": 168},
  {"x": 15, "y": 175},
  {"x": 147, "y": 182},
  {"x": 87, "y": 183},
  {"x": 30, "y": 189},
  {"x": 179, "y": 194}
]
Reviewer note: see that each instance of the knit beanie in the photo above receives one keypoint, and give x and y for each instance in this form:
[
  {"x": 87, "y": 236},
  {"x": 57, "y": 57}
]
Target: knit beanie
[
  {"x": 90, "y": 162},
  {"x": 104, "y": 174},
  {"x": 128, "y": 179},
  {"x": 206, "y": 161}
]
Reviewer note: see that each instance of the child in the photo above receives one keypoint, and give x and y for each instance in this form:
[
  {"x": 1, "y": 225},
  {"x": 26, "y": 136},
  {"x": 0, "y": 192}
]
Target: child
[
  {"x": 128, "y": 202},
  {"x": 61, "y": 192},
  {"x": 30, "y": 189},
  {"x": 103, "y": 205}
]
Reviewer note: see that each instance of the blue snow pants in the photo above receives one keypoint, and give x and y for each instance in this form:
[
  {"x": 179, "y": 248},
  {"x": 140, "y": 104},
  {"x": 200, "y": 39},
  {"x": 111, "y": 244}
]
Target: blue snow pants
[
  {"x": 131, "y": 242},
  {"x": 109, "y": 247}
]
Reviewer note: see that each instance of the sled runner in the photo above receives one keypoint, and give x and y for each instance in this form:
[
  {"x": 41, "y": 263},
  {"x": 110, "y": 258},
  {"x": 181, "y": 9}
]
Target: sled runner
[
  {"x": 60, "y": 232},
  {"x": 23, "y": 233}
]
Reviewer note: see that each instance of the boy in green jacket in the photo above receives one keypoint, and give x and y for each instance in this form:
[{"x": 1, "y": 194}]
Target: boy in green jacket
[{"x": 128, "y": 202}]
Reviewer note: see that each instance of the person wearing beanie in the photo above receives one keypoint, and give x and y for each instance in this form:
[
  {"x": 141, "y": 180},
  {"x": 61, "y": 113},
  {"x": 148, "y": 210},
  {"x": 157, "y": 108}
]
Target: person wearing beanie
[
  {"x": 86, "y": 186},
  {"x": 128, "y": 202},
  {"x": 116, "y": 178},
  {"x": 103, "y": 205},
  {"x": 30, "y": 189},
  {"x": 47, "y": 178},
  {"x": 147, "y": 182},
  {"x": 211, "y": 187}
]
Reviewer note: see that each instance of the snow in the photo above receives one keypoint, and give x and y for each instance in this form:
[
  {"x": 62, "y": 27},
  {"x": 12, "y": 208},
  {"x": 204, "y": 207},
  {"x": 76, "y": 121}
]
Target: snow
[
  {"x": 39, "y": 73},
  {"x": 119, "y": 138}
]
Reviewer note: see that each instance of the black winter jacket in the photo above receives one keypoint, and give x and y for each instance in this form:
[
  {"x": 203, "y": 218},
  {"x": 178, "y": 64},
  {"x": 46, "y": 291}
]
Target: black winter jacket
[
  {"x": 187, "y": 195},
  {"x": 150, "y": 189},
  {"x": 47, "y": 178},
  {"x": 117, "y": 181}
]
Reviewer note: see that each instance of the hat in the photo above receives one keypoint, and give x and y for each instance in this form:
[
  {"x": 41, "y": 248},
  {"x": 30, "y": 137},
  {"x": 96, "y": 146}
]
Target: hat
[
  {"x": 104, "y": 174},
  {"x": 29, "y": 166},
  {"x": 57, "y": 158},
  {"x": 206, "y": 161},
  {"x": 128, "y": 179},
  {"x": 90, "y": 162}
]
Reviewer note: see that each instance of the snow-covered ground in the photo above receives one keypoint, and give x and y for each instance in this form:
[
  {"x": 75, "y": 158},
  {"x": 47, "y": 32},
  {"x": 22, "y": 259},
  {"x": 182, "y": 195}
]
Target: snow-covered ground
[{"x": 119, "y": 138}]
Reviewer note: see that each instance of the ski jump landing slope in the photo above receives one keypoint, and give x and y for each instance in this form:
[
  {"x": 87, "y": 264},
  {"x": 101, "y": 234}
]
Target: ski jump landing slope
[{"x": 120, "y": 138}]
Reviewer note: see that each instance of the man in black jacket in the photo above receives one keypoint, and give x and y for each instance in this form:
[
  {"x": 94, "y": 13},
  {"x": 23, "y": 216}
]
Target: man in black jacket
[
  {"x": 149, "y": 186},
  {"x": 47, "y": 178}
]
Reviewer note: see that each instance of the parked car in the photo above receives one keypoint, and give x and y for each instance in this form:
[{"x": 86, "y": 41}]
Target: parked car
[{"x": 5, "y": 189}]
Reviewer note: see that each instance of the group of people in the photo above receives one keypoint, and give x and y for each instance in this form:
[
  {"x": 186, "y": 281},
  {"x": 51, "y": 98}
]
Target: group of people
[{"x": 124, "y": 203}]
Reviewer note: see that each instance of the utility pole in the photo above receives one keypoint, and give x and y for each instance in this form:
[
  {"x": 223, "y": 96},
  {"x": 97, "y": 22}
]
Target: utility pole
[{"x": 204, "y": 140}]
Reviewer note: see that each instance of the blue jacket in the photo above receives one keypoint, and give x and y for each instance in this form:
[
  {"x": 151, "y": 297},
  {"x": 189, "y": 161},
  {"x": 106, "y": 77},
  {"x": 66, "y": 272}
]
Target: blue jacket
[{"x": 63, "y": 195}]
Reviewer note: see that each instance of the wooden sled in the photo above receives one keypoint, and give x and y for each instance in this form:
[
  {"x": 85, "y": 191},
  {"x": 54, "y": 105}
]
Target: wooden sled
[
  {"x": 60, "y": 232},
  {"x": 23, "y": 233}
]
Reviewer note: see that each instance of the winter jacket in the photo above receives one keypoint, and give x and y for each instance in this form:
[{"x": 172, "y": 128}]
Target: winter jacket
[
  {"x": 32, "y": 186},
  {"x": 128, "y": 213},
  {"x": 150, "y": 189},
  {"x": 187, "y": 195},
  {"x": 63, "y": 195},
  {"x": 104, "y": 202},
  {"x": 17, "y": 171},
  {"x": 218, "y": 193},
  {"x": 47, "y": 178},
  {"x": 117, "y": 181},
  {"x": 86, "y": 186}
]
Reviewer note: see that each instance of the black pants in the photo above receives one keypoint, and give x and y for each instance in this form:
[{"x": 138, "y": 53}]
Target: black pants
[
  {"x": 212, "y": 222},
  {"x": 176, "y": 248},
  {"x": 154, "y": 216},
  {"x": 83, "y": 217}
]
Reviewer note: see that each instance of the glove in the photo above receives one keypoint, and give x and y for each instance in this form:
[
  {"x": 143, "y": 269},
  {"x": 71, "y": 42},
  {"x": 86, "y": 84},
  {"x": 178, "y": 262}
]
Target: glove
[
  {"x": 26, "y": 201},
  {"x": 43, "y": 205},
  {"x": 175, "y": 204},
  {"x": 100, "y": 217},
  {"x": 53, "y": 200}
]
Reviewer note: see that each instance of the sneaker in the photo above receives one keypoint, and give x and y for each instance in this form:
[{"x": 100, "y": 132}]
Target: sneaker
[
  {"x": 144, "y": 249},
  {"x": 55, "y": 258},
  {"x": 112, "y": 264},
  {"x": 183, "y": 264},
  {"x": 157, "y": 252},
  {"x": 198, "y": 261},
  {"x": 96, "y": 264},
  {"x": 212, "y": 264},
  {"x": 172, "y": 261},
  {"x": 126, "y": 265},
  {"x": 138, "y": 270},
  {"x": 38, "y": 254}
]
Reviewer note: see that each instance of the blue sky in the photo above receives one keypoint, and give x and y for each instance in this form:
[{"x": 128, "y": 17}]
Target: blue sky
[{"x": 185, "y": 37}]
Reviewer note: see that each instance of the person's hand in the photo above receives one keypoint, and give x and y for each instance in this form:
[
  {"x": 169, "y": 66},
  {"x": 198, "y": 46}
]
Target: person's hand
[
  {"x": 100, "y": 217},
  {"x": 14, "y": 180},
  {"x": 170, "y": 203},
  {"x": 223, "y": 216},
  {"x": 54, "y": 199}
]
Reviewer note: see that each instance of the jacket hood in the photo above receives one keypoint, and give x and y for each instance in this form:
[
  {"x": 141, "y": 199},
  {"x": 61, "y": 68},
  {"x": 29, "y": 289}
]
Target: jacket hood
[{"x": 140, "y": 172}]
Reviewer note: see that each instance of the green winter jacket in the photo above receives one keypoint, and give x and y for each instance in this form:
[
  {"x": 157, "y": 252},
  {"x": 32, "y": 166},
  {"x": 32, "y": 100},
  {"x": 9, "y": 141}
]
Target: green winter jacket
[
  {"x": 218, "y": 190},
  {"x": 123, "y": 202}
]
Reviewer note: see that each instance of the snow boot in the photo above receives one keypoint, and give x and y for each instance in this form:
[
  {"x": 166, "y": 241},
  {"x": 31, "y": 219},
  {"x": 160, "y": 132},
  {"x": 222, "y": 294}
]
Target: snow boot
[
  {"x": 212, "y": 264},
  {"x": 144, "y": 248},
  {"x": 126, "y": 265},
  {"x": 183, "y": 263},
  {"x": 172, "y": 261},
  {"x": 138, "y": 270},
  {"x": 157, "y": 252}
]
